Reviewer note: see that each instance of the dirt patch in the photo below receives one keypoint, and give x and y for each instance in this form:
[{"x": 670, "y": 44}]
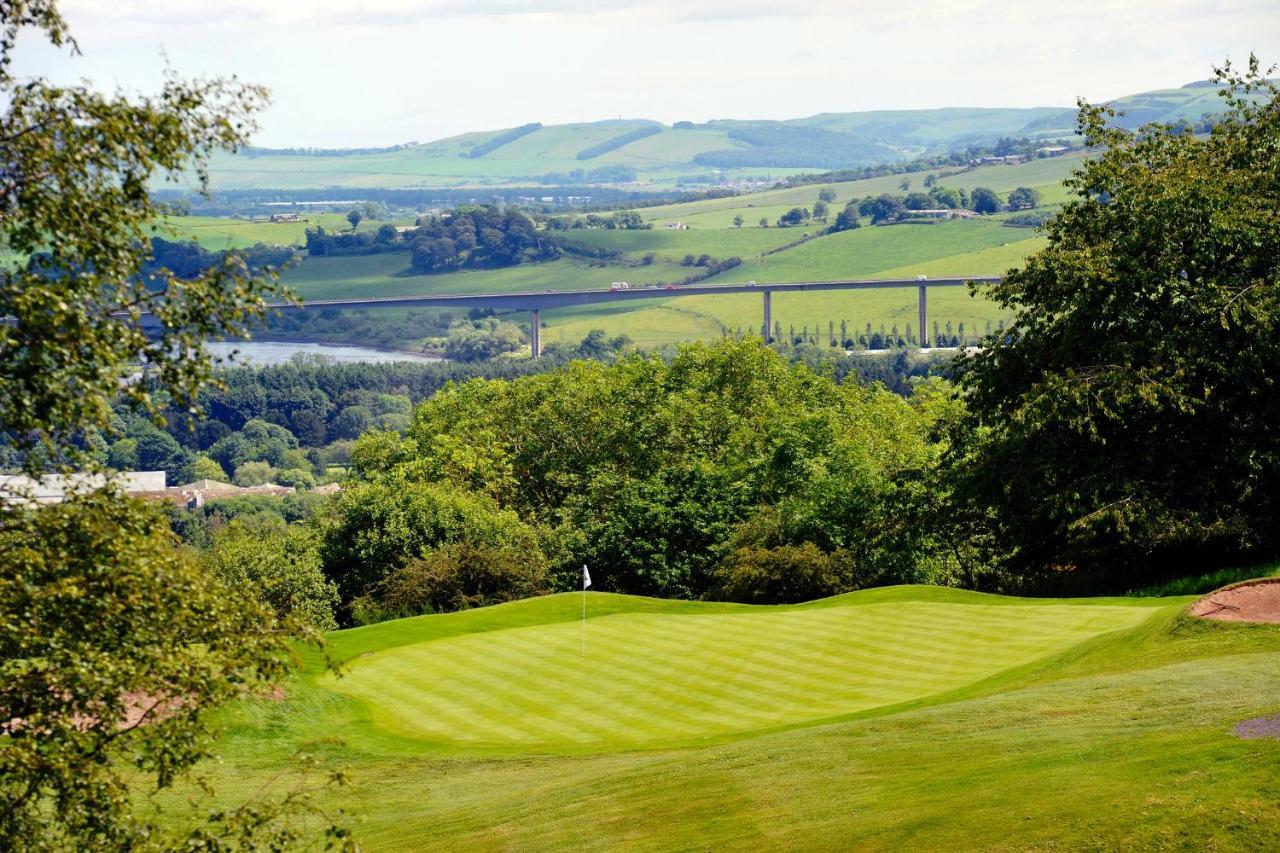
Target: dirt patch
[
  {"x": 1259, "y": 727},
  {"x": 1250, "y": 601}
]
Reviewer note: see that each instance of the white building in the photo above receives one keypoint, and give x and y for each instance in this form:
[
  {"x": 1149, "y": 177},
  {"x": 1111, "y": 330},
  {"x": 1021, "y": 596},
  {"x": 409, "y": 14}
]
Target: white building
[{"x": 53, "y": 488}]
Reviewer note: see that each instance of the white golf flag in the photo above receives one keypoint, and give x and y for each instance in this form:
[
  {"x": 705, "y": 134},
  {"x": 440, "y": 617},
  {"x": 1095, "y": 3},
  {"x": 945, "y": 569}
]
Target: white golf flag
[{"x": 586, "y": 577}]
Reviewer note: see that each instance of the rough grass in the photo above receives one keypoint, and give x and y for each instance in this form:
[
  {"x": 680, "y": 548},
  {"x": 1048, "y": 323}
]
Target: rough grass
[
  {"x": 1101, "y": 724},
  {"x": 1207, "y": 582}
]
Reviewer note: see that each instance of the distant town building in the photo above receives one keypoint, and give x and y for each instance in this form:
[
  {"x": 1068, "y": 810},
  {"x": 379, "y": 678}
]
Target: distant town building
[
  {"x": 54, "y": 488},
  {"x": 285, "y": 217},
  {"x": 197, "y": 494},
  {"x": 1052, "y": 150},
  {"x": 1007, "y": 160},
  {"x": 939, "y": 213},
  {"x": 146, "y": 485},
  {"x": 675, "y": 226}
]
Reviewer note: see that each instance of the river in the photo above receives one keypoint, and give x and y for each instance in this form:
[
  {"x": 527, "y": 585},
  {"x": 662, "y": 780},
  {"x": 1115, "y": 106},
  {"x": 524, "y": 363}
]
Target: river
[{"x": 267, "y": 353}]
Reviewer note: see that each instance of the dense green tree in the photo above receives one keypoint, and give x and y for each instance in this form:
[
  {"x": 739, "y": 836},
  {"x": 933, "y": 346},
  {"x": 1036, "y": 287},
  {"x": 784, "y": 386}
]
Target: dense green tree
[
  {"x": 77, "y": 202},
  {"x": 950, "y": 197},
  {"x": 254, "y": 474},
  {"x": 477, "y": 340},
  {"x": 352, "y": 422},
  {"x": 918, "y": 201},
  {"x": 846, "y": 219},
  {"x": 375, "y": 527},
  {"x": 648, "y": 467},
  {"x": 123, "y": 455},
  {"x": 279, "y": 565},
  {"x": 299, "y": 478},
  {"x": 784, "y": 574},
  {"x": 124, "y": 646},
  {"x": 257, "y": 441},
  {"x": 158, "y": 451},
  {"x": 826, "y": 195},
  {"x": 794, "y": 216},
  {"x": 820, "y": 210},
  {"x": 456, "y": 576},
  {"x": 1023, "y": 198},
  {"x": 204, "y": 468},
  {"x": 114, "y": 646},
  {"x": 1124, "y": 423},
  {"x": 984, "y": 200},
  {"x": 355, "y": 217},
  {"x": 885, "y": 208}
]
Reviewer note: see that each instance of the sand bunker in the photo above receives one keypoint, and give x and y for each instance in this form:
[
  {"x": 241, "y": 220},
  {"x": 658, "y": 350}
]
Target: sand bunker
[{"x": 1250, "y": 601}]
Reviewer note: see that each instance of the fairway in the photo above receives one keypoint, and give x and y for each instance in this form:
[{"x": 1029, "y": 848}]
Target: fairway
[{"x": 653, "y": 678}]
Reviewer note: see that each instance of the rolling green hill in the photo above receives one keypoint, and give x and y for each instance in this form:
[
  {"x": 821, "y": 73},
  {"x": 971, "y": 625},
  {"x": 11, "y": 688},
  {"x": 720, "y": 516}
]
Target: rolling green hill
[
  {"x": 904, "y": 716},
  {"x": 710, "y": 152}
]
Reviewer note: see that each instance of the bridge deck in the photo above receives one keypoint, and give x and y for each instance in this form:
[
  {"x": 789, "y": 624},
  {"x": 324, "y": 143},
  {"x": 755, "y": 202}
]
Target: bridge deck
[{"x": 539, "y": 300}]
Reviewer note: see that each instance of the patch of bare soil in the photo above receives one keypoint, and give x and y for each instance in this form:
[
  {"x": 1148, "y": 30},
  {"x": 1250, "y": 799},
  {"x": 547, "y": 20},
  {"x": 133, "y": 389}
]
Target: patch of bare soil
[
  {"x": 1249, "y": 601},
  {"x": 1259, "y": 727}
]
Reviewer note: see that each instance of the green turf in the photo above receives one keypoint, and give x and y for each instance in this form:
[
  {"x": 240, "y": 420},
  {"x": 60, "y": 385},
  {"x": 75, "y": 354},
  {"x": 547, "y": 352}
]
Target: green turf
[
  {"x": 906, "y": 717},
  {"x": 652, "y": 678}
]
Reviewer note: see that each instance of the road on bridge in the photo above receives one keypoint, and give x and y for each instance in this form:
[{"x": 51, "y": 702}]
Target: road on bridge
[{"x": 536, "y": 301}]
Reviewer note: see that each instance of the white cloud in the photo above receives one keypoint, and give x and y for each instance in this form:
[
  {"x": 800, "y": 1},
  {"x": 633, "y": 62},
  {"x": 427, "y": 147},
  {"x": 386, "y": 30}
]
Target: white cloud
[{"x": 381, "y": 71}]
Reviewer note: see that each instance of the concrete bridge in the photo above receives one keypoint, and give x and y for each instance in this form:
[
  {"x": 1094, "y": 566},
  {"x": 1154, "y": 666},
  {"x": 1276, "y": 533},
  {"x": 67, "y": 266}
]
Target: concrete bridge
[{"x": 536, "y": 301}]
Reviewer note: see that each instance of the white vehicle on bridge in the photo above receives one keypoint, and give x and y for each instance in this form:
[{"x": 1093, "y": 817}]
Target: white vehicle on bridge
[{"x": 619, "y": 285}]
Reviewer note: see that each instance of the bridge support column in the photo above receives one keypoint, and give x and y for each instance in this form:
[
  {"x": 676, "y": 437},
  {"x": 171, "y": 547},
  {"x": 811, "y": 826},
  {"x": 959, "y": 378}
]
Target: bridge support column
[
  {"x": 768, "y": 316},
  {"x": 924, "y": 316},
  {"x": 535, "y": 334}
]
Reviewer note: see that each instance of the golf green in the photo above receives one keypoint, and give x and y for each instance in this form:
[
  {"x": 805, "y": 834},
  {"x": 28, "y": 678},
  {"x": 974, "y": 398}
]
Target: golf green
[{"x": 663, "y": 678}]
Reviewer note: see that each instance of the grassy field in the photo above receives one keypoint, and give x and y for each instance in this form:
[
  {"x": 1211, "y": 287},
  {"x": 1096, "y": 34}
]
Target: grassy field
[
  {"x": 907, "y": 716},
  {"x": 1044, "y": 175},
  {"x": 221, "y": 232}
]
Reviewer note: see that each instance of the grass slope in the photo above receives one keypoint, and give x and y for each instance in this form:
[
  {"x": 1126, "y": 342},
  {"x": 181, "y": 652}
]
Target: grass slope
[{"x": 906, "y": 716}]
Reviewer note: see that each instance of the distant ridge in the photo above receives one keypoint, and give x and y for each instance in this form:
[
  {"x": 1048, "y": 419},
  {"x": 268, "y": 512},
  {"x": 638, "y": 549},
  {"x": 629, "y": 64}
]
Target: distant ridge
[{"x": 656, "y": 156}]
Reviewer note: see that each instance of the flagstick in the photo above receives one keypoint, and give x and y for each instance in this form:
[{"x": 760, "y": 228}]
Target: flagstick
[{"x": 584, "y": 617}]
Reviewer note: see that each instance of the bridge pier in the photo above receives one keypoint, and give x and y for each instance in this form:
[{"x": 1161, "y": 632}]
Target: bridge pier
[
  {"x": 768, "y": 316},
  {"x": 924, "y": 316},
  {"x": 535, "y": 333}
]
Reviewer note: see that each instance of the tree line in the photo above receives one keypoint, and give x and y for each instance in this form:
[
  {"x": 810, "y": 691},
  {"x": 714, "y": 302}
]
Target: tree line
[{"x": 593, "y": 151}]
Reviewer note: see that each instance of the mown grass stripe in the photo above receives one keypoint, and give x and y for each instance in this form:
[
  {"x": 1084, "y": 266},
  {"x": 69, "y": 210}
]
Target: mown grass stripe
[{"x": 652, "y": 676}]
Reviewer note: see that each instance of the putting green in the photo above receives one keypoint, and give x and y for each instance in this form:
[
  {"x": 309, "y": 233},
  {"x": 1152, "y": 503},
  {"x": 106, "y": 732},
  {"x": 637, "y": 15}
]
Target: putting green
[{"x": 652, "y": 678}]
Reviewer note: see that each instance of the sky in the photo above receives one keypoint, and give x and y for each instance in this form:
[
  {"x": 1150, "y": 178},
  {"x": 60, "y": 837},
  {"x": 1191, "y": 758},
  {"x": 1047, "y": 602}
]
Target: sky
[{"x": 382, "y": 72}]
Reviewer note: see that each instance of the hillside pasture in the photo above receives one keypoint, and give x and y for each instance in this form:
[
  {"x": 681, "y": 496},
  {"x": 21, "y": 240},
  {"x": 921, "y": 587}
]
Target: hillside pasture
[
  {"x": 1046, "y": 175},
  {"x": 223, "y": 232}
]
